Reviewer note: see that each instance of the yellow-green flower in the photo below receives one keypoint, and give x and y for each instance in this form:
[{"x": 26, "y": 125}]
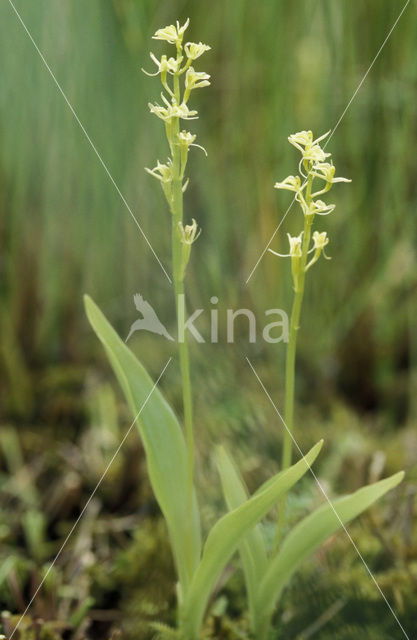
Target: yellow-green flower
[
  {"x": 320, "y": 240},
  {"x": 194, "y": 50},
  {"x": 325, "y": 171},
  {"x": 186, "y": 139},
  {"x": 320, "y": 208},
  {"x": 315, "y": 154},
  {"x": 189, "y": 233},
  {"x": 296, "y": 243},
  {"x": 195, "y": 80},
  {"x": 172, "y": 110},
  {"x": 172, "y": 34},
  {"x": 305, "y": 139},
  {"x": 162, "y": 172},
  {"x": 291, "y": 183},
  {"x": 311, "y": 150},
  {"x": 165, "y": 65},
  {"x": 296, "y": 249}
]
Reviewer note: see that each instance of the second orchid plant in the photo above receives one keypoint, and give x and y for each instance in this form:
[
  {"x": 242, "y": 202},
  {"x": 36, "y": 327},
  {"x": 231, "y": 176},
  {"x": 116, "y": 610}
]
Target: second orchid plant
[{"x": 316, "y": 177}]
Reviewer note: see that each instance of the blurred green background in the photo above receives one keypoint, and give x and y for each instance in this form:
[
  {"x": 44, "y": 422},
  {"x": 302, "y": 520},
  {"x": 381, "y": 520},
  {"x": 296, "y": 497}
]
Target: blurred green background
[{"x": 277, "y": 67}]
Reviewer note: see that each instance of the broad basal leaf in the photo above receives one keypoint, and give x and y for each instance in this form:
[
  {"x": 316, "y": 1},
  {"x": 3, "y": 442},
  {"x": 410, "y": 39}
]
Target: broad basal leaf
[
  {"x": 225, "y": 537},
  {"x": 163, "y": 441},
  {"x": 252, "y": 548},
  {"x": 309, "y": 534}
]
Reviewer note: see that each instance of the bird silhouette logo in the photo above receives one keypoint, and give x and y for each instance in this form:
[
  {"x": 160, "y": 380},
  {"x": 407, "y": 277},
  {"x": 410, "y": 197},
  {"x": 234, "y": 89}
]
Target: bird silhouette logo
[{"x": 149, "y": 321}]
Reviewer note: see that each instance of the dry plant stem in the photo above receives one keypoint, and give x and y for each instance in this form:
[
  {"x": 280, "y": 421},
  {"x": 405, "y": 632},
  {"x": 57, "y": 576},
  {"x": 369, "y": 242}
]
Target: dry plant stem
[
  {"x": 290, "y": 359},
  {"x": 177, "y": 216}
]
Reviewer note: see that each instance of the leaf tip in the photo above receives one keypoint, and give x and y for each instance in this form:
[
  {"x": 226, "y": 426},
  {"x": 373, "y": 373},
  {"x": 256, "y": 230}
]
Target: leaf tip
[
  {"x": 398, "y": 477},
  {"x": 89, "y": 306},
  {"x": 316, "y": 449}
]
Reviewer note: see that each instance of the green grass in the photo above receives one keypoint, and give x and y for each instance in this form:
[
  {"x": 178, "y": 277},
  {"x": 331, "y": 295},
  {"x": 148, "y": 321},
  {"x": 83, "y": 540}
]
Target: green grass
[{"x": 275, "y": 68}]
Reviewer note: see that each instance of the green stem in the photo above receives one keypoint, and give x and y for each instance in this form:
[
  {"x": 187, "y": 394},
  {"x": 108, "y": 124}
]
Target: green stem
[
  {"x": 177, "y": 217},
  {"x": 290, "y": 360}
]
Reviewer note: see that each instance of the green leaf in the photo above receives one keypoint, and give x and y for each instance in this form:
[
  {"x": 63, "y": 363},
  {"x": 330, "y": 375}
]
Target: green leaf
[
  {"x": 164, "y": 445},
  {"x": 252, "y": 548},
  {"x": 225, "y": 537},
  {"x": 304, "y": 539}
]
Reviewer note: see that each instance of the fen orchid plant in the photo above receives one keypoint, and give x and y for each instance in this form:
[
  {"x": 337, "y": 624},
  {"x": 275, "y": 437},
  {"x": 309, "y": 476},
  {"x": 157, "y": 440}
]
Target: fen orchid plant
[
  {"x": 179, "y": 79},
  {"x": 268, "y": 570},
  {"x": 316, "y": 178},
  {"x": 169, "y": 449}
]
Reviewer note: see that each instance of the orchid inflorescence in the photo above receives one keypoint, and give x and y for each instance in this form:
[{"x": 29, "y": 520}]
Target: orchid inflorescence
[
  {"x": 174, "y": 107},
  {"x": 314, "y": 165}
]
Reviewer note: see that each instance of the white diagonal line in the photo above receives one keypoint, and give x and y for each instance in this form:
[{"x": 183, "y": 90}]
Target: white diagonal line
[
  {"x": 103, "y": 164},
  {"x": 333, "y": 130},
  {"x": 328, "y": 499},
  {"x": 367, "y": 71},
  {"x": 270, "y": 240},
  {"x": 74, "y": 526}
]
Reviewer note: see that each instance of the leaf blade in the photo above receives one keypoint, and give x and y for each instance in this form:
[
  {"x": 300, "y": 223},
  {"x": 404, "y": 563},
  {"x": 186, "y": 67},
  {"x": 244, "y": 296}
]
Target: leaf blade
[
  {"x": 252, "y": 549},
  {"x": 163, "y": 441},
  {"x": 225, "y": 537},
  {"x": 308, "y": 535}
]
